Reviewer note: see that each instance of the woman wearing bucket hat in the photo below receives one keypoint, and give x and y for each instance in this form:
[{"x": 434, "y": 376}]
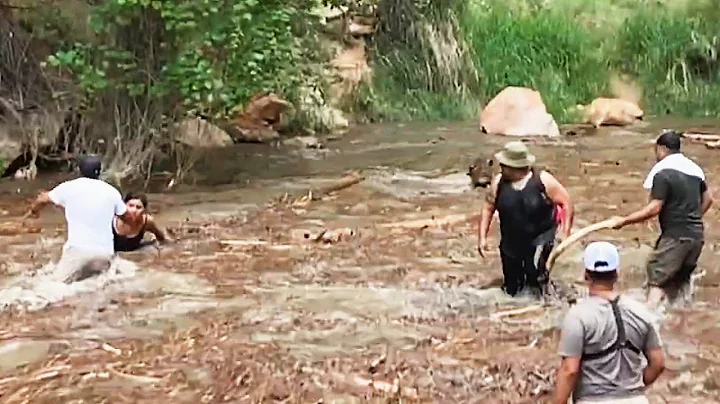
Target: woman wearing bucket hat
[{"x": 527, "y": 201}]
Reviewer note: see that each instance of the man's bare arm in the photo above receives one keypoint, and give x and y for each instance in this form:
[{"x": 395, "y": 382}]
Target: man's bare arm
[
  {"x": 488, "y": 211},
  {"x": 707, "y": 201},
  {"x": 566, "y": 377},
  {"x": 655, "y": 367},
  {"x": 559, "y": 195},
  {"x": 650, "y": 210},
  {"x": 486, "y": 217},
  {"x": 38, "y": 204}
]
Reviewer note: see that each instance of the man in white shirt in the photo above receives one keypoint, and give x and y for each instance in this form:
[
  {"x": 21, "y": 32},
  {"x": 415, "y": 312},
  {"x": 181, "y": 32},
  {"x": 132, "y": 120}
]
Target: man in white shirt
[{"x": 90, "y": 206}]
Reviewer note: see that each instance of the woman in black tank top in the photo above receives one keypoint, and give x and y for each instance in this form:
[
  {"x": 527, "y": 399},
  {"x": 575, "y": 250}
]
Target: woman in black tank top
[{"x": 129, "y": 233}]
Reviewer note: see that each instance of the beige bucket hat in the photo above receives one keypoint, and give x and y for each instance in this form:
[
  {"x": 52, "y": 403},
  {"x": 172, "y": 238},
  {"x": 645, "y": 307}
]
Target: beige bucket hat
[{"x": 516, "y": 155}]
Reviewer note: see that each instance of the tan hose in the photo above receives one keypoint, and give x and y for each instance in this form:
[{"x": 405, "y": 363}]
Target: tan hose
[{"x": 574, "y": 238}]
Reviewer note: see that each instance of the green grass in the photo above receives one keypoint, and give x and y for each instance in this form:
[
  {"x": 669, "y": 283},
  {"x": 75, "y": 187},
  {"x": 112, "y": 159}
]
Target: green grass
[
  {"x": 565, "y": 49},
  {"x": 543, "y": 49},
  {"x": 672, "y": 57},
  {"x": 421, "y": 66}
]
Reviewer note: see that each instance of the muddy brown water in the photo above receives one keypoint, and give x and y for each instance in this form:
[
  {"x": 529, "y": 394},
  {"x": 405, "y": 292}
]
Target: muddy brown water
[{"x": 365, "y": 289}]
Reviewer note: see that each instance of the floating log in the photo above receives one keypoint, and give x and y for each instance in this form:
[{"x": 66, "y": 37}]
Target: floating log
[
  {"x": 517, "y": 312},
  {"x": 702, "y": 137},
  {"x": 345, "y": 182},
  {"x": 431, "y": 222}
]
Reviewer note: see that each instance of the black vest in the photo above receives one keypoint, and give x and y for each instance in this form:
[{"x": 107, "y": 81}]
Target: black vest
[{"x": 525, "y": 215}]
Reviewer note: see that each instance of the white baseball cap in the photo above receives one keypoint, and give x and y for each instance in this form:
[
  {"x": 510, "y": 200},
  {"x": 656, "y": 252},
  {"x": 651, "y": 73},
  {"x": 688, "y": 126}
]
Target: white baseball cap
[{"x": 601, "y": 256}]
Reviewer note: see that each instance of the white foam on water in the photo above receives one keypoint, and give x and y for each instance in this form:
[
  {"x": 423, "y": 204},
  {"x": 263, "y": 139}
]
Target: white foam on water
[
  {"x": 38, "y": 289},
  {"x": 400, "y": 183}
]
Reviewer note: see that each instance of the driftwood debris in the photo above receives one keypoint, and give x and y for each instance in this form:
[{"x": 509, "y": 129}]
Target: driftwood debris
[
  {"x": 255, "y": 243},
  {"x": 362, "y": 384},
  {"x": 710, "y": 139},
  {"x": 517, "y": 312},
  {"x": 328, "y": 236},
  {"x": 574, "y": 238},
  {"x": 316, "y": 194},
  {"x": 543, "y": 142},
  {"x": 242, "y": 243},
  {"x": 345, "y": 182},
  {"x": 15, "y": 227},
  {"x": 432, "y": 222}
]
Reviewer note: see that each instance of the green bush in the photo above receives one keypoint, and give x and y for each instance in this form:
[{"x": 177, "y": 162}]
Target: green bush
[
  {"x": 675, "y": 60},
  {"x": 543, "y": 49},
  {"x": 206, "y": 57},
  {"x": 537, "y": 48},
  {"x": 421, "y": 67},
  {"x": 431, "y": 59},
  {"x": 566, "y": 50}
]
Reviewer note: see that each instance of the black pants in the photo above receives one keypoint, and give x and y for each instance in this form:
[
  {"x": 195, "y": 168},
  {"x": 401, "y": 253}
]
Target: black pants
[{"x": 525, "y": 267}]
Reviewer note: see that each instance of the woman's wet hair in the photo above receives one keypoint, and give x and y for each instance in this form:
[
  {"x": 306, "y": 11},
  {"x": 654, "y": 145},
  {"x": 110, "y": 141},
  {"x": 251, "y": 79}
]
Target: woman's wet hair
[{"x": 132, "y": 195}]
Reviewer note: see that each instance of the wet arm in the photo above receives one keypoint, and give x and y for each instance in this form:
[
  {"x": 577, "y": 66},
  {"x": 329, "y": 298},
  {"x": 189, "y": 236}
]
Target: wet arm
[
  {"x": 655, "y": 358},
  {"x": 39, "y": 203},
  {"x": 707, "y": 199},
  {"x": 488, "y": 211},
  {"x": 56, "y": 196},
  {"x": 566, "y": 378},
  {"x": 120, "y": 207},
  {"x": 655, "y": 367},
  {"x": 159, "y": 233},
  {"x": 571, "y": 346},
  {"x": 650, "y": 210},
  {"x": 658, "y": 193},
  {"x": 559, "y": 195}
]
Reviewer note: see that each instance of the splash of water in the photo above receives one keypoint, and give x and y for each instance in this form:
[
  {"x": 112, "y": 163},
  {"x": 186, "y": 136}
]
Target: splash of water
[{"x": 36, "y": 290}]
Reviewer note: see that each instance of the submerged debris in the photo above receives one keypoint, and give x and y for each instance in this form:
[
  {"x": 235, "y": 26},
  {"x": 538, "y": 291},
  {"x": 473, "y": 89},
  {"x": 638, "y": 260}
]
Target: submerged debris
[{"x": 364, "y": 293}]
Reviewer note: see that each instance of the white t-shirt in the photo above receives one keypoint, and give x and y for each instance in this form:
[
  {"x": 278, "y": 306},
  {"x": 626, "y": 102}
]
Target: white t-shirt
[{"x": 90, "y": 206}]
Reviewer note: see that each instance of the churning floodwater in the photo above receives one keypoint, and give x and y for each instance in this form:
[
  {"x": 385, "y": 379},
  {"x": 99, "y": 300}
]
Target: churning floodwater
[{"x": 348, "y": 276}]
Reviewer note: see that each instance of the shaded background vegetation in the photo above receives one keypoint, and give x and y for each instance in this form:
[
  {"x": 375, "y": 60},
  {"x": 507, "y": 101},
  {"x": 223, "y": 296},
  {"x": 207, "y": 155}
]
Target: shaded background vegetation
[
  {"x": 432, "y": 59},
  {"x": 132, "y": 67},
  {"x": 566, "y": 49}
]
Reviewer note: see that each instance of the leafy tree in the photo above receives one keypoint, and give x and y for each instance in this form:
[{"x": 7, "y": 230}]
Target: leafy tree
[{"x": 205, "y": 56}]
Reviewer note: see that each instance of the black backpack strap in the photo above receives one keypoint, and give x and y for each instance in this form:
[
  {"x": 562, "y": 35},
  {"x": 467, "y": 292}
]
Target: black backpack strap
[{"x": 620, "y": 343}]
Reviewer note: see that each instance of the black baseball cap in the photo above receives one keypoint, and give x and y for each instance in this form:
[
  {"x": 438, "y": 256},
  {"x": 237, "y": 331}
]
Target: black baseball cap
[{"x": 90, "y": 165}]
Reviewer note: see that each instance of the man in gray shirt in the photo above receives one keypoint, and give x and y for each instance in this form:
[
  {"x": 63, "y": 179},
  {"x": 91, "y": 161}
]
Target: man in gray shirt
[{"x": 605, "y": 339}]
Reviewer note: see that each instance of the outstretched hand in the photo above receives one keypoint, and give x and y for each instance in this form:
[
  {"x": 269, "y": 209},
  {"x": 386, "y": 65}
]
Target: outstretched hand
[{"x": 618, "y": 222}]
